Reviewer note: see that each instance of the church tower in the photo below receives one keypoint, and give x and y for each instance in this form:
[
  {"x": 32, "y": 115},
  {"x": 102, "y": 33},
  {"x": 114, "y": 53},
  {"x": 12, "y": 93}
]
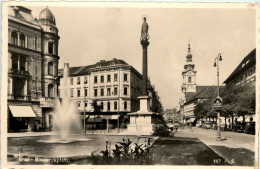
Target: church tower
[
  {"x": 189, "y": 75},
  {"x": 50, "y": 58}
]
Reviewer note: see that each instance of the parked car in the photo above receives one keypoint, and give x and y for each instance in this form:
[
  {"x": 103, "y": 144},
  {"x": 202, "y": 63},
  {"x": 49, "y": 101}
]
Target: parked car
[
  {"x": 239, "y": 127},
  {"x": 207, "y": 125},
  {"x": 250, "y": 127}
]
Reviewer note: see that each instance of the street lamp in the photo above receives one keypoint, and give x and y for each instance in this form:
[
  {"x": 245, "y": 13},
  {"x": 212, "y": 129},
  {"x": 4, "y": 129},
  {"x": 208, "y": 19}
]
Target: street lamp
[
  {"x": 216, "y": 64},
  {"x": 84, "y": 125}
]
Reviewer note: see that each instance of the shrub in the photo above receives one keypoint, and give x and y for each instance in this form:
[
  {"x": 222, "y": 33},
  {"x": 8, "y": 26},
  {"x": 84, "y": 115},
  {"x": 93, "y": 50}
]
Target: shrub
[
  {"x": 162, "y": 130},
  {"x": 124, "y": 154}
]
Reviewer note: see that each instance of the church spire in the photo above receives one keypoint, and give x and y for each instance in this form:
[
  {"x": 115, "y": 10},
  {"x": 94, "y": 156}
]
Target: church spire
[{"x": 189, "y": 55}]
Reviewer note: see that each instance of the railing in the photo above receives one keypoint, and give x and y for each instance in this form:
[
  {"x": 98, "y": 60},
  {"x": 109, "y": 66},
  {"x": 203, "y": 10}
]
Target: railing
[
  {"x": 20, "y": 72},
  {"x": 47, "y": 98}
]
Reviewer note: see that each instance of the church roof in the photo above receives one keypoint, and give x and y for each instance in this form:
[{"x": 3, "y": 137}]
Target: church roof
[
  {"x": 203, "y": 92},
  {"x": 247, "y": 62}
]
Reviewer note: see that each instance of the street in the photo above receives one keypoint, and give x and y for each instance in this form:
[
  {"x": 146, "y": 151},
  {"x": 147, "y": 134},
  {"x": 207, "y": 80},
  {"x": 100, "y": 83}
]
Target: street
[{"x": 235, "y": 148}]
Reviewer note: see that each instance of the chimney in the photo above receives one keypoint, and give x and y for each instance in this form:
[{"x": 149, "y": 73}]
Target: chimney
[{"x": 66, "y": 66}]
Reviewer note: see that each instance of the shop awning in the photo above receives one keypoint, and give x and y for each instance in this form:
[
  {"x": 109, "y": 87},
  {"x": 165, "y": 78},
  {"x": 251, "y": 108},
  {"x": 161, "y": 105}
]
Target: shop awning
[
  {"x": 111, "y": 117},
  {"x": 22, "y": 111}
]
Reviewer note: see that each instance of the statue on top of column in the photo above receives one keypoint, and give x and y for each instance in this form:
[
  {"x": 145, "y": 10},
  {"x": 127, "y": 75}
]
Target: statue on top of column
[{"x": 144, "y": 32}]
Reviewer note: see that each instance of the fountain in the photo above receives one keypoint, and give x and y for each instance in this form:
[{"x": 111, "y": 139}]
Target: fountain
[{"x": 66, "y": 119}]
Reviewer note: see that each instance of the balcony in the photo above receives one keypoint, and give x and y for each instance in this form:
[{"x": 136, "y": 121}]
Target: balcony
[
  {"x": 18, "y": 72},
  {"x": 20, "y": 97}
]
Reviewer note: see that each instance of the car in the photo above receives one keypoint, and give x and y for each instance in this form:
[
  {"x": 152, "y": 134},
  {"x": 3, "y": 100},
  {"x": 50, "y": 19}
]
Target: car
[
  {"x": 250, "y": 128},
  {"x": 207, "y": 125},
  {"x": 239, "y": 127}
]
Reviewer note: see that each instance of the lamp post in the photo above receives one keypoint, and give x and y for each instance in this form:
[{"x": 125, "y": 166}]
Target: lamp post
[
  {"x": 84, "y": 125},
  {"x": 216, "y": 64}
]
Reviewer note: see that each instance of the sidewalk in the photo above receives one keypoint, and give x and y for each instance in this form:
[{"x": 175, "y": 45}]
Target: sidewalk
[{"x": 236, "y": 148}]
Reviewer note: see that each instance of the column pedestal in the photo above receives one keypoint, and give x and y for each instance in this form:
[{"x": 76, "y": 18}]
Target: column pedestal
[{"x": 141, "y": 121}]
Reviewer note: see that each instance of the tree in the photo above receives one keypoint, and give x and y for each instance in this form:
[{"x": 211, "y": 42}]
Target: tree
[
  {"x": 204, "y": 108},
  {"x": 95, "y": 106},
  {"x": 238, "y": 100}
]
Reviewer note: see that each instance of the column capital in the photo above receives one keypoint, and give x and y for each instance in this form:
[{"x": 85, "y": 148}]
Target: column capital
[{"x": 144, "y": 43}]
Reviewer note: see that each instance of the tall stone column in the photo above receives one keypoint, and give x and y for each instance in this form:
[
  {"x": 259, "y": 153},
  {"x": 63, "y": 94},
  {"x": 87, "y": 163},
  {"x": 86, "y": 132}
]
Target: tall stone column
[{"x": 144, "y": 44}]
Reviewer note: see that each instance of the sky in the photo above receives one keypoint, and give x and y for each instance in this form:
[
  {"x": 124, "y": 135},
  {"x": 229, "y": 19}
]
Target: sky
[{"x": 89, "y": 34}]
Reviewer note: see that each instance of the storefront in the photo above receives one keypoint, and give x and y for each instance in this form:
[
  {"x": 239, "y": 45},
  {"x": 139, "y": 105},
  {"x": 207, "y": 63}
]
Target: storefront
[{"x": 21, "y": 118}]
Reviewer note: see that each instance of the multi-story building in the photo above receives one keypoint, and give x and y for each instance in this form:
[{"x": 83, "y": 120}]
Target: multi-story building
[
  {"x": 32, "y": 67},
  {"x": 244, "y": 72},
  {"x": 114, "y": 85}
]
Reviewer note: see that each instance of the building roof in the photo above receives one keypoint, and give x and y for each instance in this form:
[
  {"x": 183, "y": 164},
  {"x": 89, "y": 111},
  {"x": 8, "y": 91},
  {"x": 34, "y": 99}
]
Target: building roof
[
  {"x": 247, "y": 62},
  {"x": 22, "y": 13},
  {"x": 85, "y": 70},
  {"x": 46, "y": 16},
  {"x": 204, "y": 92}
]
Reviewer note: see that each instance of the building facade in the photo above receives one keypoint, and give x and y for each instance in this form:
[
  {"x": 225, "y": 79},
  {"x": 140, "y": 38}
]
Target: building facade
[
  {"x": 114, "y": 85},
  {"x": 32, "y": 67},
  {"x": 244, "y": 72}
]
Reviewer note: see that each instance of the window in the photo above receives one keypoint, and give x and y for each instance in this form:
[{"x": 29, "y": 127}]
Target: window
[
  {"x": 78, "y": 104},
  {"x": 86, "y": 104},
  {"x": 102, "y": 92},
  {"x": 102, "y": 79},
  {"x": 86, "y": 92},
  {"x": 71, "y": 81},
  {"x": 95, "y": 79},
  {"x": 115, "y": 91},
  {"x": 85, "y": 80},
  {"x": 115, "y": 77},
  {"x": 108, "y": 106},
  {"x": 189, "y": 79},
  {"x": 14, "y": 38},
  {"x": 50, "y": 47},
  {"x": 78, "y": 80},
  {"x": 250, "y": 72},
  {"x": 125, "y": 105},
  {"x": 22, "y": 63},
  {"x": 108, "y": 91},
  {"x": 108, "y": 78},
  {"x": 95, "y": 92},
  {"x": 50, "y": 68},
  {"x": 125, "y": 77},
  {"x": 101, "y": 106},
  {"x": 50, "y": 90},
  {"x": 71, "y": 92},
  {"x": 125, "y": 90},
  {"x": 78, "y": 92},
  {"x": 15, "y": 62},
  {"x": 115, "y": 105},
  {"x": 22, "y": 40}
]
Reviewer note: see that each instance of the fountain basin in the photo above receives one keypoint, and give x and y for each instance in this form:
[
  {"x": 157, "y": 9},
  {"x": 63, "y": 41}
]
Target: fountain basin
[{"x": 76, "y": 151}]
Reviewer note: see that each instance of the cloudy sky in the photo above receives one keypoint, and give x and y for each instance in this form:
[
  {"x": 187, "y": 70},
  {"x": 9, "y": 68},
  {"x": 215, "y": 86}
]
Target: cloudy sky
[{"x": 88, "y": 35}]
